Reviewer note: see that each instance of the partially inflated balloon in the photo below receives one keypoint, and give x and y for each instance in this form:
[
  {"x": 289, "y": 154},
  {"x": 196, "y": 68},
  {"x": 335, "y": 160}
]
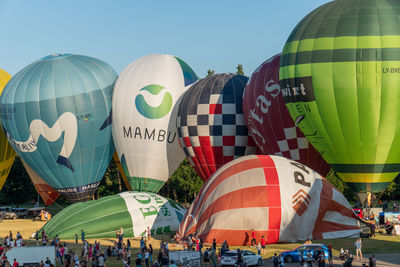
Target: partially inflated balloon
[
  {"x": 46, "y": 192},
  {"x": 57, "y": 114},
  {"x": 7, "y": 154},
  {"x": 144, "y": 116},
  {"x": 135, "y": 212},
  {"x": 211, "y": 127},
  {"x": 269, "y": 122},
  {"x": 340, "y": 78},
  {"x": 277, "y": 197}
]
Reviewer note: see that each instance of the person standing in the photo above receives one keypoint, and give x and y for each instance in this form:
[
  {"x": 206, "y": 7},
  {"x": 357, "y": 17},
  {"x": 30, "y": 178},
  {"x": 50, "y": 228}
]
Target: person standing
[
  {"x": 253, "y": 238},
  {"x": 214, "y": 244},
  {"x": 259, "y": 248},
  {"x": 358, "y": 245},
  {"x": 372, "y": 261},
  {"x": 263, "y": 244},
  {"x": 82, "y": 236},
  {"x": 239, "y": 260},
  {"x": 275, "y": 260},
  {"x": 147, "y": 258},
  {"x": 100, "y": 261},
  {"x": 213, "y": 257},
  {"x": 281, "y": 261},
  {"x": 148, "y": 233}
]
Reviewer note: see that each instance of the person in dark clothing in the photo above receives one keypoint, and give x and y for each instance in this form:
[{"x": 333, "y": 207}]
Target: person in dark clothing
[{"x": 239, "y": 260}]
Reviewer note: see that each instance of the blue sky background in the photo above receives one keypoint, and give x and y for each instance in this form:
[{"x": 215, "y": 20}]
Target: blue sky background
[{"x": 207, "y": 34}]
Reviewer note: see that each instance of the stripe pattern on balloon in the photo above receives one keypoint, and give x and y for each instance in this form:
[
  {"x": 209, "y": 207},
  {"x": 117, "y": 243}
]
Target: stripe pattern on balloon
[{"x": 277, "y": 197}]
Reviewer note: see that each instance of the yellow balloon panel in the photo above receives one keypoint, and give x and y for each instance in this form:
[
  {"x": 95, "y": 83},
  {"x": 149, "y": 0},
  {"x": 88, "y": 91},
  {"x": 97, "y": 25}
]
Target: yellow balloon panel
[{"x": 7, "y": 154}]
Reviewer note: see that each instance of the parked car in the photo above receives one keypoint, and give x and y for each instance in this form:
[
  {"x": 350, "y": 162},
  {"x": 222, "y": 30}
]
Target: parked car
[
  {"x": 249, "y": 258},
  {"x": 295, "y": 254},
  {"x": 8, "y": 213},
  {"x": 21, "y": 212}
]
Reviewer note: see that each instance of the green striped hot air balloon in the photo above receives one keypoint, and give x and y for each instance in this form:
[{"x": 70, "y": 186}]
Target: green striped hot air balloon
[{"x": 340, "y": 78}]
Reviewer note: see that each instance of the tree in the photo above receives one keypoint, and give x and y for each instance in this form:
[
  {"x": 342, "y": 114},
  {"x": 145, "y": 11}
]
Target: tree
[
  {"x": 210, "y": 72},
  {"x": 334, "y": 179},
  {"x": 18, "y": 188},
  {"x": 239, "y": 69},
  {"x": 111, "y": 183},
  {"x": 183, "y": 185}
]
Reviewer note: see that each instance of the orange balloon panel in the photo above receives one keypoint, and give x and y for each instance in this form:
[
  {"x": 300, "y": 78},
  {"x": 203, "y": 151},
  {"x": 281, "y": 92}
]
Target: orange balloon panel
[{"x": 46, "y": 192}]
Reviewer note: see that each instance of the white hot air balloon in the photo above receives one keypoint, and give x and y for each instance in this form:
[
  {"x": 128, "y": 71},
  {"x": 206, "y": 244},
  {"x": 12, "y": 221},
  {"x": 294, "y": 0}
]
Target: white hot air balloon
[{"x": 144, "y": 119}]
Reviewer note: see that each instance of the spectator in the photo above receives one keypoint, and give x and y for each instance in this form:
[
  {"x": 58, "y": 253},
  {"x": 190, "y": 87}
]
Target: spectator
[
  {"x": 275, "y": 260},
  {"x": 253, "y": 238},
  {"x": 15, "y": 263},
  {"x": 138, "y": 261},
  {"x": 82, "y": 236},
  {"x": 358, "y": 245},
  {"x": 372, "y": 261}
]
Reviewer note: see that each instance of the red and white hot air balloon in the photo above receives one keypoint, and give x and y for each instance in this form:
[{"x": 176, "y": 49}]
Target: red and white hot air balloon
[
  {"x": 211, "y": 127},
  {"x": 277, "y": 197},
  {"x": 269, "y": 122}
]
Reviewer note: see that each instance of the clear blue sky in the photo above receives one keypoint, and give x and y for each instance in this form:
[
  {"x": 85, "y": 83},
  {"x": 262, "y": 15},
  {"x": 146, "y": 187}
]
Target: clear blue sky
[{"x": 207, "y": 34}]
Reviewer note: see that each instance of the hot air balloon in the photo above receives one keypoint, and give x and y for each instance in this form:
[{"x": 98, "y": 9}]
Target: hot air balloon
[
  {"x": 46, "y": 192},
  {"x": 56, "y": 113},
  {"x": 211, "y": 127},
  {"x": 339, "y": 76},
  {"x": 144, "y": 119},
  {"x": 134, "y": 211},
  {"x": 269, "y": 122},
  {"x": 276, "y": 197},
  {"x": 7, "y": 154}
]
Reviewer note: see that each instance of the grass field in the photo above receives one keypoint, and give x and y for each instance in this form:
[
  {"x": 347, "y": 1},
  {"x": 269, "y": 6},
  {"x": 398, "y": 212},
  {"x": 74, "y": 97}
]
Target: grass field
[{"x": 381, "y": 244}]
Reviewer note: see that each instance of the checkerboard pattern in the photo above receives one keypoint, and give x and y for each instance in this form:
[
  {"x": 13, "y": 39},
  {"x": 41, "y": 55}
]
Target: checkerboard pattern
[
  {"x": 293, "y": 144},
  {"x": 211, "y": 126}
]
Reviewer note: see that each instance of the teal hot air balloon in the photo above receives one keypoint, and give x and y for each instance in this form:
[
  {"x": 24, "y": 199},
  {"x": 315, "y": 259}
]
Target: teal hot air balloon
[{"x": 56, "y": 115}]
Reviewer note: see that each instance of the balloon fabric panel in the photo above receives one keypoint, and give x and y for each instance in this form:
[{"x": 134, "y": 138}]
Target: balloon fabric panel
[
  {"x": 343, "y": 61},
  {"x": 270, "y": 123},
  {"x": 211, "y": 127},
  {"x": 7, "y": 153}
]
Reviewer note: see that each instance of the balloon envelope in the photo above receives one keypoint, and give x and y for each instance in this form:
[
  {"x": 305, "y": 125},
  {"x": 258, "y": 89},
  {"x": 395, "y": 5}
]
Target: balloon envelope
[
  {"x": 56, "y": 113},
  {"x": 211, "y": 127},
  {"x": 339, "y": 74},
  {"x": 144, "y": 119},
  {"x": 277, "y": 197},
  {"x": 46, "y": 192},
  {"x": 134, "y": 211},
  {"x": 7, "y": 154},
  {"x": 269, "y": 122}
]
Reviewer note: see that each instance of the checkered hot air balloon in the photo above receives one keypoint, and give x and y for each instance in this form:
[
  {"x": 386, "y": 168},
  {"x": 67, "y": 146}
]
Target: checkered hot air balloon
[
  {"x": 269, "y": 122},
  {"x": 277, "y": 197},
  {"x": 211, "y": 127}
]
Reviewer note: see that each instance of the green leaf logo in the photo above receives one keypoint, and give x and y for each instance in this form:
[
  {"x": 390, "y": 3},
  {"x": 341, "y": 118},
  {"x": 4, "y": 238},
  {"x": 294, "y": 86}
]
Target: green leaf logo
[{"x": 151, "y": 112}]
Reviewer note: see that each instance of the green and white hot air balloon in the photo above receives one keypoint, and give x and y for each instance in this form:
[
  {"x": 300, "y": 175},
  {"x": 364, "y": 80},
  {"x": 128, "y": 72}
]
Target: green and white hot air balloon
[
  {"x": 340, "y": 78},
  {"x": 144, "y": 119}
]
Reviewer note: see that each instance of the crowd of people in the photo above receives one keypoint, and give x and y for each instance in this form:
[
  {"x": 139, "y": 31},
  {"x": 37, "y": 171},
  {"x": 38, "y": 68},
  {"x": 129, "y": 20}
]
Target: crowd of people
[{"x": 94, "y": 255}]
